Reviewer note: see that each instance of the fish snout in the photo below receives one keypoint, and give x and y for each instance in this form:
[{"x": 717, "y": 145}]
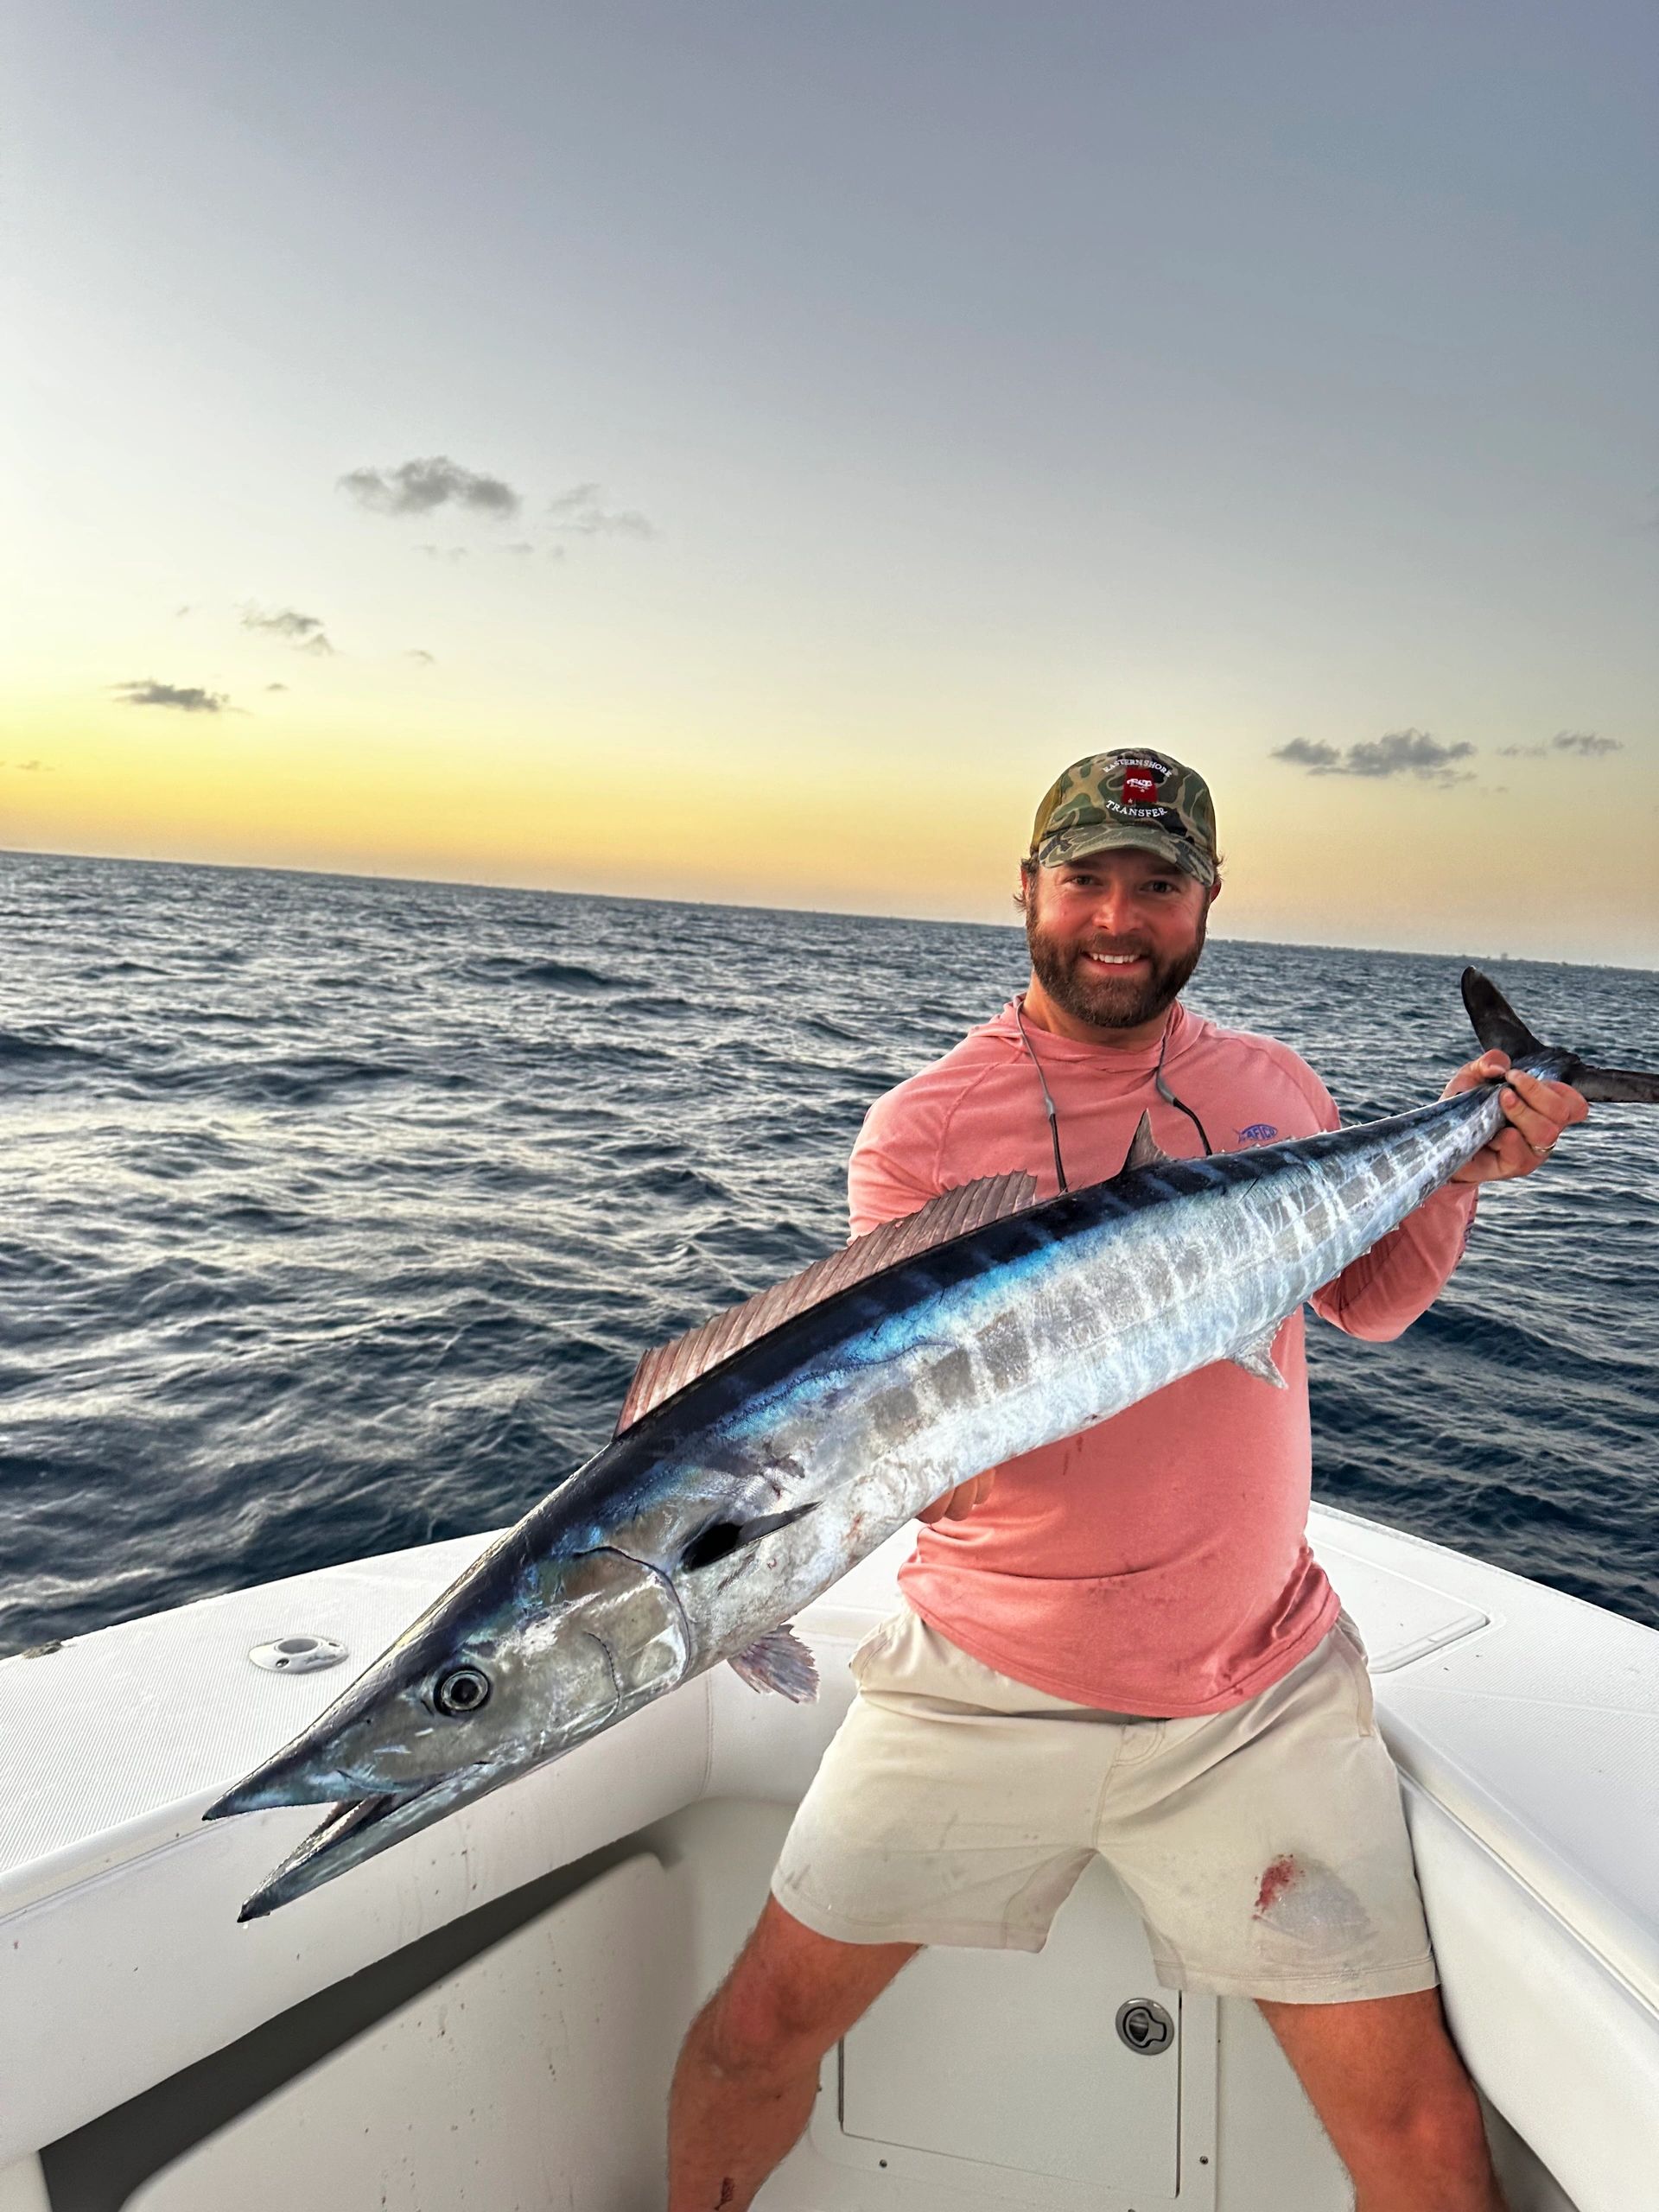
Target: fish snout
[
  {"x": 374, "y": 1741},
  {"x": 297, "y": 1776}
]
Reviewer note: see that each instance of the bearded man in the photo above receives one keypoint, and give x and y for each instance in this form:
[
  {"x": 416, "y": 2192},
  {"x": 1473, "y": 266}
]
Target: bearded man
[{"x": 1121, "y": 1643}]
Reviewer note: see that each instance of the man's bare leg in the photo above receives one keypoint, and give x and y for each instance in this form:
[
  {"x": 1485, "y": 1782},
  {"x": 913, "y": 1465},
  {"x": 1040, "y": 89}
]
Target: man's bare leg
[
  {"x": 748, "y": 2072},
  {"x": 1385, "y": 2078}
]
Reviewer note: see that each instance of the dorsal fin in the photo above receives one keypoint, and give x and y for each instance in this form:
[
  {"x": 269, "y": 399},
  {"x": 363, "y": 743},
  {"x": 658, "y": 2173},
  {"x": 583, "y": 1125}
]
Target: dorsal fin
[
  {"x": 1144, "y": 1151},
  {"x": 671, "y": 1366}
]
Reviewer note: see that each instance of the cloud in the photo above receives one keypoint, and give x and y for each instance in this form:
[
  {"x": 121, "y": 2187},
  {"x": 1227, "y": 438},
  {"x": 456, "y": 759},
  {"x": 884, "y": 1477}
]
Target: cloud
[
  {"x": 521, "y": 551},
  {"x": 188, "y": 698},
  {"x": 304, "y": 631},
  {"x": 29, "y": 767},
  {"x": 443, "y": 552},
  {"x": 276, "y": 687},
  {"x": 1309, "y": 753},
  {"x": 420, "y": 654},
  {"x": 416, "y": 487},
  {"x": 1583, "y": 742},
  {"x": 1398, "y": 752},
  {"x": 581, "y": 510},
  {"x": 1408, "y": 752}
]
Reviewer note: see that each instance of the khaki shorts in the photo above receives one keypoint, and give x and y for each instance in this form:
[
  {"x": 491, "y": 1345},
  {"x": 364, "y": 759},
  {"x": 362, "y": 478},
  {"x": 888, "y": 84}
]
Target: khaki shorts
[{"x": 1265, "y": 1846}]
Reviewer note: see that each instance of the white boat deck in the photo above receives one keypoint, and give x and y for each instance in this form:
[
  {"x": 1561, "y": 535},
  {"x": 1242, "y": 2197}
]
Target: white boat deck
[{"x": 1526, "y": 1724}]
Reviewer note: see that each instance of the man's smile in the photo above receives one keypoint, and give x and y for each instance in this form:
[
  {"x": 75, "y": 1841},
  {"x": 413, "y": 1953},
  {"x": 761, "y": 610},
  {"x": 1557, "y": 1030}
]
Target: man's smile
[{"x": 1115, "y": 960}]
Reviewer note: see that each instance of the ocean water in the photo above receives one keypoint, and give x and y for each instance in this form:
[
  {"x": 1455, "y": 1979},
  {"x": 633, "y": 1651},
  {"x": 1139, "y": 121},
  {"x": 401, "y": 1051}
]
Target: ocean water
[{"x": 334, "y": 1214}]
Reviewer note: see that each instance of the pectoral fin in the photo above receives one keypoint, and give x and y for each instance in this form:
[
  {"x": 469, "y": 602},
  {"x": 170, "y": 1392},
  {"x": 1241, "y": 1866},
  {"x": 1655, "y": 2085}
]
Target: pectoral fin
[
  {"x": 1258, "y": 1359},
  {"x": 720, "y": 1539},
  {"x": 780, "y": 1661}
]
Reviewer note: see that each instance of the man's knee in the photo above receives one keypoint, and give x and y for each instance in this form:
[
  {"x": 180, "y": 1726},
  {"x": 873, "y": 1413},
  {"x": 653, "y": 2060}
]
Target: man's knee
[
  {"x": 1387, "y": 2082},
  {"x": 756, "y": 2028},
  {"x": 1442, "y": 2131},
  {"x": 791, "y": 1995},
  {"x": 1434, "y": 2129}
]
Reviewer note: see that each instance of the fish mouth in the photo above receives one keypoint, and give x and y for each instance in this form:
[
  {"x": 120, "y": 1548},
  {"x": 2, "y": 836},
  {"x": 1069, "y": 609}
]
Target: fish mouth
[
  {"x": 356, "y": 1829},
  {"x": 361, "y": 1822}
]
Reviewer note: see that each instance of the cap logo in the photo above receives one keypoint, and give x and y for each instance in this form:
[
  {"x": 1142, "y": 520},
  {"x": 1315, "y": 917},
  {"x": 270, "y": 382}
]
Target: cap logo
[
  {"x": 1141, "y": 784},
  {"x": 1140, "y": 799}
]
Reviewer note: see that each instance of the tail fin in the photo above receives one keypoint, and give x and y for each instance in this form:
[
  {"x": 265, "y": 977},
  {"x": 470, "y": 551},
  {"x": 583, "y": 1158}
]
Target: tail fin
[
  {"x": 1614, "y": 1086},
  {"x": 1501, "y": 1029}
]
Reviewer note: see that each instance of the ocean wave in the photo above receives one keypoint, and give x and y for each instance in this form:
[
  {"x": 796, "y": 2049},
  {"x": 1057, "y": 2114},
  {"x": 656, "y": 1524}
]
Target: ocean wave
[
  {"x": 283, "y": 1082},
  {"x": 550, "y": 975},
  {"x": 41, "y": 1047}
]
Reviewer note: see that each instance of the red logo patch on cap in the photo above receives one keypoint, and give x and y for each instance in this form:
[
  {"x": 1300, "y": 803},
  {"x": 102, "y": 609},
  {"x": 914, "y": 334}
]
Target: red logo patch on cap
[{"x": 1141, "y": 786}]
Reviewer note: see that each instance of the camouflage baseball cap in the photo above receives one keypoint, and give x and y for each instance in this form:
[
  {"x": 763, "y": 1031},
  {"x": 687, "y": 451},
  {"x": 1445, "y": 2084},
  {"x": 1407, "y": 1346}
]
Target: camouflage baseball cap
[{"x": 1132, "y": 796}]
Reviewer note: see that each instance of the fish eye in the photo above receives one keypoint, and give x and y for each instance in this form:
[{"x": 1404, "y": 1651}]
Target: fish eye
[{"x": 463, "y": 1690}]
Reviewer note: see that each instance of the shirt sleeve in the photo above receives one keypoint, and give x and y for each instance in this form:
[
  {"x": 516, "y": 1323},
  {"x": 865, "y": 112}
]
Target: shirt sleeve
[
  {"x": 1380, "y": 1295},
  {"x": 895, "y": 1164}
]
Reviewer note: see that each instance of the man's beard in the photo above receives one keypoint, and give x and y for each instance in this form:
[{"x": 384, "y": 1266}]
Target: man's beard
[{"x": 1102, "y": 1000}]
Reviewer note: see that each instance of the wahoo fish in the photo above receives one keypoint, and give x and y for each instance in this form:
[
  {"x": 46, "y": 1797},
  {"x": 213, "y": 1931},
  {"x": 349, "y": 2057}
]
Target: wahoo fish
[{"x": 760, "y": 1457}]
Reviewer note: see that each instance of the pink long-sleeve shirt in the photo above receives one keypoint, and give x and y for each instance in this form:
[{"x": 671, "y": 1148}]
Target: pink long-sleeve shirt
[{"x": 1159, "y": 1562}]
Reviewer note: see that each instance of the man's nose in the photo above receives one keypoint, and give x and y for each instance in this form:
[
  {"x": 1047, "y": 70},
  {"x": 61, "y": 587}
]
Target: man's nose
[{"x": 1115, "y": 911}]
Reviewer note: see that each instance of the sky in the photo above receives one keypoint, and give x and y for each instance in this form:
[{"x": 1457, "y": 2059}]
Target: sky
[{"x": 745, "y": 451}]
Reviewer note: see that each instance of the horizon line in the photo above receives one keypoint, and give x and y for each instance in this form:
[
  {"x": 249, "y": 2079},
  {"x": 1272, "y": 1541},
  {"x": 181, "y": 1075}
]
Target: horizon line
[{"x": 830, "y": 914}]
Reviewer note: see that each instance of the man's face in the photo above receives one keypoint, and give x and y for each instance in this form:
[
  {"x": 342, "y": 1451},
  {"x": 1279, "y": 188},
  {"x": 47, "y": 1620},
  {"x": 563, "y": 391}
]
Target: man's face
[{"x": 1115, "y": 936}]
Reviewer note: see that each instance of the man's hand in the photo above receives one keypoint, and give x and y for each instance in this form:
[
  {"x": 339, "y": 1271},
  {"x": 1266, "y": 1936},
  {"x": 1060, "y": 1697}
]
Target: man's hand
[
  {"x": 1537, "y": 1112},
  {"x": 962, "y": 1500}
]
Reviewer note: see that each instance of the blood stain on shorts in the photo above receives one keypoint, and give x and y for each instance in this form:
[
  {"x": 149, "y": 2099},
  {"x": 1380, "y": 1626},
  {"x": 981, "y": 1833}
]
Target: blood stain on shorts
[
  {"x": 1306, "y": 1899},
  {"x": 1276, "y": 1880}
]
